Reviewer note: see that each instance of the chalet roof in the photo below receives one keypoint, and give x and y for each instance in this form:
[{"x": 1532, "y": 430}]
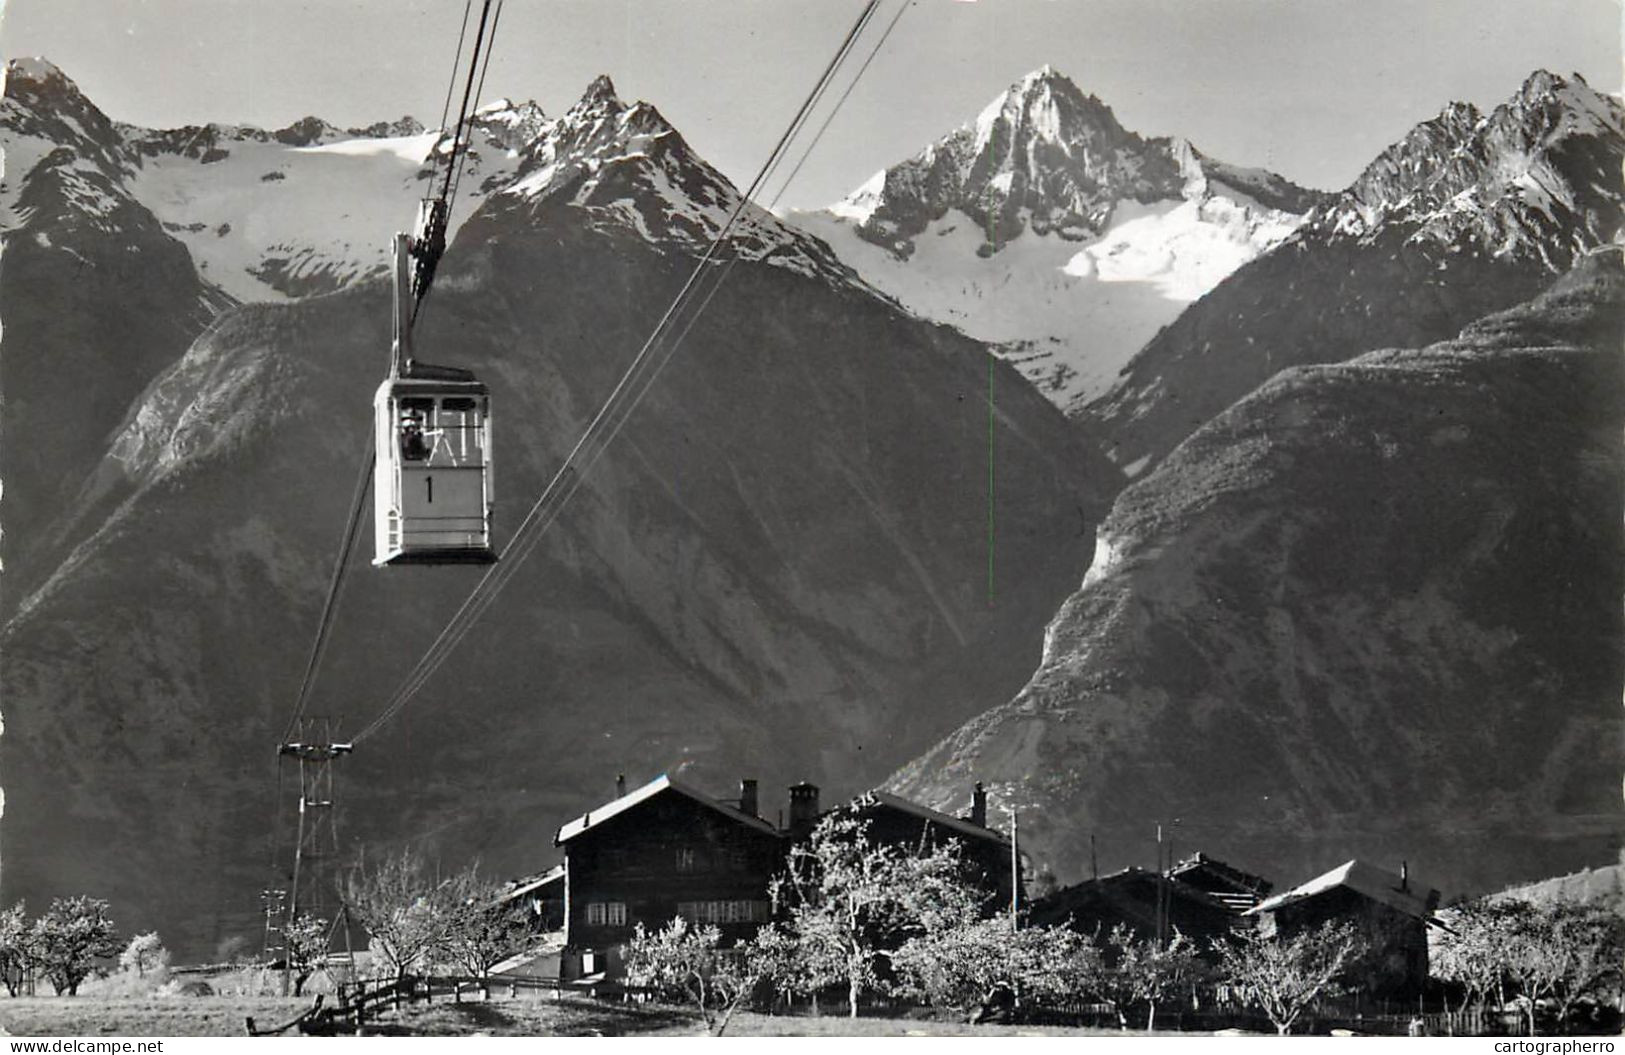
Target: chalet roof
[
  {"x": 1132, "y": 875},
  {"x": 1130, "y": 894},
  {"x": 530, "y": 885},
  {"x": 1378, "y": 884},
  {"x": 1201, "y": 862},
  {"x": 657, "y": 786},
  {"x": 958, "y": 825}
]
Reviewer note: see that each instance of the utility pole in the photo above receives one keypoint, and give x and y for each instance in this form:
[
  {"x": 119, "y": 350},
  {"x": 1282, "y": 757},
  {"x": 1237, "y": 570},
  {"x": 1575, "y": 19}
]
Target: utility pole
[
  {"x": 1162, "y": 910},
  {"x": 274, "y": 902},
  {"x": 1015, "y": 875}
]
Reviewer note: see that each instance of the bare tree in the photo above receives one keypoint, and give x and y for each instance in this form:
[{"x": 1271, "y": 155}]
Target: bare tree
[
  {"x": 1561, "y": 951},
  {"x": 1129, "y": 971},
  {"x": 982, "y": 965},
  {"x": 851, "y": 901},
  {"x": 1283, "y": 976},
  {"x": 1136, "y": 971},
  {"x": 1475, "y": 950},
  {"x": 1589, "y": 943},
  {"x": 481, "y": 930},
  {"x": 404, "y": 912}
]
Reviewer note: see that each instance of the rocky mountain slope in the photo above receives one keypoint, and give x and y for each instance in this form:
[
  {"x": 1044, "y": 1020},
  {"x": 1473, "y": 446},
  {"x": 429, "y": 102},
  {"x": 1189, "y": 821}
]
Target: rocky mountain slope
[
  {"x": 1470, "y": 213},
  {"x": 780, "y": 569},
  {"x": 96, "y": 298},
  {"x": 1048, "y": 228},
  {"x": 1372, "y": 609}
]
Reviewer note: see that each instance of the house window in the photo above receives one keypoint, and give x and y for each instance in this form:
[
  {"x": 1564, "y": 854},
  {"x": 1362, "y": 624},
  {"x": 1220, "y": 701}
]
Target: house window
[
  {"x": 606, "y": 913},
  {"x": 700, "y": 912},
  {"x": 687, "y": 859},
  {"x": 739, "y": 858}
]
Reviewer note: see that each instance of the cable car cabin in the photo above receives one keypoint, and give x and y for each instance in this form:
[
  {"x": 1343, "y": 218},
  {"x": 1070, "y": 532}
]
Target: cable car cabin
[{"x": 432, "y": 488}]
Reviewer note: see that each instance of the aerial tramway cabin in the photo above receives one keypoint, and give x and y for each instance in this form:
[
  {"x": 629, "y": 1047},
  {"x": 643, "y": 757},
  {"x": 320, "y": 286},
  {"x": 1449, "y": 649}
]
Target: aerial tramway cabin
[
  {"x": 432, "y": 491},
  {"x": 432, "y": 436}
]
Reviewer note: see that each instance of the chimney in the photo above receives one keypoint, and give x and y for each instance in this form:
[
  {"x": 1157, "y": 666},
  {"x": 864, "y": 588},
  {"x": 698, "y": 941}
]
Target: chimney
[
  {"x": 978, "y": 806},
  {"x": 1405, "y": 875},
  {"x": 620, "y": 785},
  {"x": 803, "y": 808},
  {"x": 747, "y": 797}
]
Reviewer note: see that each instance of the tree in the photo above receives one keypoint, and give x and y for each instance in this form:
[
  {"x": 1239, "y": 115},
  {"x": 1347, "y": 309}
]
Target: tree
[
  {"x": 1588, "y": 942},
  {"x": 404, "y": 913},
  {"x": 1475, "y": 950},
  {"x": 980, "y": 965},
  {"x": 481, "y": 929},
  {"x": 70, "y": 938},
  {"x": 1134, "y": 971},
  {"x": 145, "y": 953},
  {"x": 689, "y": 964},
  {"x": 1283, "y": 976},
  {"x": 793, "y": 969},
  {"x": 1562, "y": 951},
  {"x": 852, "y": 901},
  {"x": 16, "y": 947},
  {"x": 304, "y": 946}
]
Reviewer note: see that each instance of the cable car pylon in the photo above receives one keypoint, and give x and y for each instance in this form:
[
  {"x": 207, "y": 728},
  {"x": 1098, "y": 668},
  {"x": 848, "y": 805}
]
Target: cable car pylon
[{"x": 314, "y": 886}]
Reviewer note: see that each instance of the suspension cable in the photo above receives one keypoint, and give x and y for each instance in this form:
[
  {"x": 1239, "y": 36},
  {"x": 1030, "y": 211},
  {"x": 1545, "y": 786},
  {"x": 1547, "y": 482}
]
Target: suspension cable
[
  {"x": 451, "y": 85},
  {"x": 468, "y": 88},
  {"x": 568, "y": 477},
  {"x": 479, "y": 90},
  {"x": 334, "y": 587}
]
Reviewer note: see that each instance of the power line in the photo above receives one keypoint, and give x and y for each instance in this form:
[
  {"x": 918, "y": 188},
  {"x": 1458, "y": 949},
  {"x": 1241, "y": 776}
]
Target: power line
[{"x": 568, "y": 477}]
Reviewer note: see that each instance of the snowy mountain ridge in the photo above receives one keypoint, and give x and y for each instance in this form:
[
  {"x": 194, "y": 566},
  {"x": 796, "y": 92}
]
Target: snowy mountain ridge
[
  {"x": 309, "y": 209},
  {"x": 1466, "y": 214},
  {"x": 1045, "y": 227},
  {"x": 628, "y": 168},
  {"x": 1507, "y": 182}
]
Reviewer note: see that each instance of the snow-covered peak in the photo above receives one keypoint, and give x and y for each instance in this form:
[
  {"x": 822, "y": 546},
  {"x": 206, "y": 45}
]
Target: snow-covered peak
[
  {"x": 626, "y": 169},
  {"x": 1042, "y": 156},
  {"x": 1046, "y": 228},
  {"x": 861, "y": 203},
  {"x": 600, "y": 93},
  {"x": 1044, "y": 106}
]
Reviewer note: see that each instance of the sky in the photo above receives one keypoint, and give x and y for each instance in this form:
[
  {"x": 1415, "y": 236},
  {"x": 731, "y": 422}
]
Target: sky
[{"x": 1312, "y": 89}]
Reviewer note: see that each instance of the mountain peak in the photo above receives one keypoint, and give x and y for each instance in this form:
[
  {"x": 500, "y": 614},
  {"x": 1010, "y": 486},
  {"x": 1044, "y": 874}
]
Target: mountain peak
[
  {"x": 1542, "y": 82},
  {"x": 601, "y": 90},
  {"x": 34, "y": 68},
  {"x": 1046, "y": 72},
  {"x": 1529, "y": 177}
]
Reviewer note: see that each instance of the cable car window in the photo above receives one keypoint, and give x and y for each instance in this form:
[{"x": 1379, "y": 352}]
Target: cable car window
[
  {"x": 416, "y": 423},
  {"x": 458, "y": 432}
]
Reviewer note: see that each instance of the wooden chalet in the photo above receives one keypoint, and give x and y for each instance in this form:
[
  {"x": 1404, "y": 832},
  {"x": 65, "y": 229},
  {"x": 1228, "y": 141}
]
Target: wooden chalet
[
  {"x": 1390, "y": 913},
  {"x": 662, "y": 851},
  {"x": 1151, "y": 905},
  {"x": 987, "y": 853}
]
